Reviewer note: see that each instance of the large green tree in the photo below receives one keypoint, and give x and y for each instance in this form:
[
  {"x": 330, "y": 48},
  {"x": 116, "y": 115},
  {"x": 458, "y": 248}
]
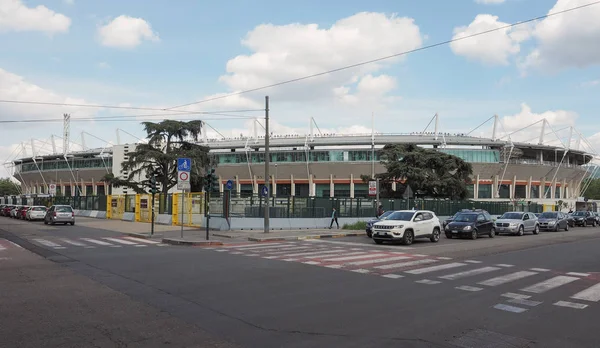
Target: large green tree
[
  {"x": 8, "y": 187},
  {"x": 167, "y": 141},
  {"x": 428, "y": 172},
  {"x": 593, "y": 188}
]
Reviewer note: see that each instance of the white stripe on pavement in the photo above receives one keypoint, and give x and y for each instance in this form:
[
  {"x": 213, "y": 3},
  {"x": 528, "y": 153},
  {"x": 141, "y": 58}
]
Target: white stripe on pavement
[
  {"x": 472, "y": 261},
  {"x": 385, "y": 259},
  {"x": 436, "y": 268},
  {"x": 577, "y": 274},
  {"x": 72, "y": 242},
  {"x": 504, "y": 265},
  {"x": 570, "y": 304},
  {"x": 311, "y": 262},
  {"x": 427, "y": 281},
  {"x": 251, "y": 246},
  {"x": 342, "y": 254},
  {"x": 15, "y": 244},
  {"x": 99, "y": 242},
  {"x": 121, "y": 241},
  {"x": 357, "y": 257},
  {"x": 287, "y": 250},
  {"x": 524, "y": 302},
  {"x": 591, "y": 294},
  {"x": 49, "y": 244},
  {"x": 508, "y": 308},
  {"x": 142, "y": 240},
  {"x": 539, "y": 269},
  {"x": 549, "y": 284},
  {"x": 469, "y": 273},
  {"x": 361, "y": 270},
  {"x": 468, "y": 288},
  {"x": 392, "y": 276},
  {"x": 315, "y": 253},
  {"x": 406, "y": 264},
  {"x": 507, "y": 278},
  {"x": 358, "y": 244},
  {"x": 515, "y": 296}
]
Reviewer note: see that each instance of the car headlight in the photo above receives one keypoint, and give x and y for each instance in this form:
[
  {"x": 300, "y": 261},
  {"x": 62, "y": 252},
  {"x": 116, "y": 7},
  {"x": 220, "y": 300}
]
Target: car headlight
[
  {"x": 467, "y": 228},
  {"x": 399, "y": 226},
  {"x": 513, "y": 224},
  {"x": 551, "y": 222}
]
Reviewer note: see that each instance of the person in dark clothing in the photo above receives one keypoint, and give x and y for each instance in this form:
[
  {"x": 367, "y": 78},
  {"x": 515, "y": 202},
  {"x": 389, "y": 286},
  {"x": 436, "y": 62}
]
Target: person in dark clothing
[
  {"x": 334, "y": 218},
  {"x": 380, "y": 211}
]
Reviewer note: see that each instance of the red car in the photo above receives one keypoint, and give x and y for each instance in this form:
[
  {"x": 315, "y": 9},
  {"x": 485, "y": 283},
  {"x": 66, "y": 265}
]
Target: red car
[
  {"x": 7, "y": 209},
  {"x": 22, "y": 214}
]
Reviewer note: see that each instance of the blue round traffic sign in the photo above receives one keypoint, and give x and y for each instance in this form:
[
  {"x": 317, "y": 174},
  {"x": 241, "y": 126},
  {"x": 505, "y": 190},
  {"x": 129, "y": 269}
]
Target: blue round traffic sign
[
  {"x": 229, "y": 185},
  {"x": 264, "y": 191}
]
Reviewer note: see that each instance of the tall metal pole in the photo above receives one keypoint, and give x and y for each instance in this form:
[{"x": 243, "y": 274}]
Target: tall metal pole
[
  {"x": 267, "y": 164},
  {"x": 182, "y": 210}
]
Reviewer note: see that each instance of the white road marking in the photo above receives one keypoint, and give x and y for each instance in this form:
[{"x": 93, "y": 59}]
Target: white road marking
[
  {"x": 508, "y": 308},
  {"x": 2, "y": 248},
  {"x": 355, "y": 249},
  {"x": 591, "y": 294},
  {"x": 504, "y": 265},
  {"x": 357, "y": 257},
  {"x": 334, "y": 266},
  {"x": 382, "y": 260},
  {"x": 121, "y": 241},
  {"x": 419, "y": 255},
  {"x": 361, "y": 270},
  {"x": 358, "y": 244},
  {"x": 140, "y": 246},
  {"x": 577, "y": 274},
  {"x": 406, "y": 264},
  {"x": 49, "y": 244},
  {"x": 524, "y": 302},
  {"x": 427, "y": 281},
  {"x": 99, "y": 242},
  {"x": 142, "y": 240},
  {"x": 392, "y": 276},
  {"x": 312, "y": 253},
  {"x": 539, "y": 269},
  {"x": 251, "y": 246},
  {"x": 290, "y": 260},
  {"x": 221, "y": 250},
  {"x": 311, "y": 262},
  {"x": 472, "y": 261},
  {"x": 72, "y": 242},
  {"x": 343, "y": 254},
  {"x": 444, "y": 258},
  {"x": 435, "y": 268},
  {"x": 507, "y": 278},
  {"x": 549, "y": 284},
  {"x": 287, "y": 250},
  {"x": 468, "y": 288},
  {"x": 515, "y": 296},
  {"x": 570, "y": 304},
  {"x": 267, "y": 257},
  {"x": 252, "y": 254},
  {"x": 15, "y": 244},
  {"x": 265, "y": 248},
  {"x": 469, "y": 273},
  {"x": 236, "y": 252}
]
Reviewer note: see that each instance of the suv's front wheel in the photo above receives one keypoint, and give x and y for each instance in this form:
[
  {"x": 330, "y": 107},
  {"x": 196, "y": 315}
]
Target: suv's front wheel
[
  {"x": 408, "y": 238},
  {"x": 435, "y": 235}
]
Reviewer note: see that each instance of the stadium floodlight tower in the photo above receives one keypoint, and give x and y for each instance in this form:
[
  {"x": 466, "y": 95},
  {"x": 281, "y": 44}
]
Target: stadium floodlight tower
[{"x": 66, "y": 131}]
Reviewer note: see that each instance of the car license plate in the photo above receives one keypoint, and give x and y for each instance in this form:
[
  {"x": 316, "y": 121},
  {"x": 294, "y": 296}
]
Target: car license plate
[{"x": 454, "y": 231}]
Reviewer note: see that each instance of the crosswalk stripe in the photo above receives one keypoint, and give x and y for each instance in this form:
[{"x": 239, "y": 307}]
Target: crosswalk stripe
[
  {"x": 382, "y": 260},
  {"x": 268, "y": 247},
  {"x": 507, "y": 278},
  {"x": 2, "y": 248},
  {"x": 577, "y": 274},
  {"x": 395, "y": 247},
  {"x": 72, "y": 242},
  {"x": 436, "y": 268},
  {"x": 472, "y": 261},
  {"x": 99, "y": 242},
  {"x": 539, "y": 269},
  {"x": 342, "y": 254},
  {"x": 549, "y": 284},
  {"x": 508, "y": 308},
  {"x": 312, "y": 253},
  {"x": 49, "y": 244},
  {"x": 591, "y": 294},
  {"x": 292, "y": 249},
  {"x": 121, "y": 241},
  {"x": 142, "y": 240},
  {"x": 570, "y": 304},
  {"x": 515, "y": 296},
  {"x": 361, "y": 270},
  {"x": 468, "y": 288},
  {"x": 406, "y": 264},
  {"x": 524, "y": 302},
  {"x": 356, "y": 257},
  {"x": 504, "y": 265},
  {"x": 246, "y": 246},
  {"x": 469, "y": 273},
  {"x": 427, "y": 281},
  {"x": 392, "y": 276}
]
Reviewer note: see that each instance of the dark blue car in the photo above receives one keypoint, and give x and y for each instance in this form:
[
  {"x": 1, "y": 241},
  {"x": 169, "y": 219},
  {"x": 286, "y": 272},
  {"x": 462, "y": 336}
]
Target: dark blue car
[{"x": 370, "y": 223}]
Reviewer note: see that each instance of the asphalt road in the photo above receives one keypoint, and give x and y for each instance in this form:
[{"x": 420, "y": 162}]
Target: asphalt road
[{"x": 530, "y": 291}]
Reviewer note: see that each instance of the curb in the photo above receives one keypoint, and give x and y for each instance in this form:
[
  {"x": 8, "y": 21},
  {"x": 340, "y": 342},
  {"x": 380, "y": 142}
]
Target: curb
[
  {"x": 223, "y": 235},
  {"x": 190, "y": 242},
  {"x": 137, "y": 235},
  {"x": 317, "y": 236}
]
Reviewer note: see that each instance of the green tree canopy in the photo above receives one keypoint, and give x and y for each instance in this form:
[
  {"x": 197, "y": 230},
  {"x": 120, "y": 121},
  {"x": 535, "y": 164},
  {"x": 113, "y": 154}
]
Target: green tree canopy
[
  {"x": 593, "y": 188},
  {"x": 8, "y": 187},
  {"x": 429, "y": 172}
]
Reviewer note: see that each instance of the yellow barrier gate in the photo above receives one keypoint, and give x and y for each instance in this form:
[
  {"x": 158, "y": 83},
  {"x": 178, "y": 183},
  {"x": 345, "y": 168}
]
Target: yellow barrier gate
[
  {"x": 192, "y": 211},
  {"x": 115, "y": 207},
  {"x": 143, "y": 207}
]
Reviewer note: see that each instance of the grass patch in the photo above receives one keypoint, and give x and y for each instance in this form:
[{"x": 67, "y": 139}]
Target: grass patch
[{"x": 360, "y": 225}]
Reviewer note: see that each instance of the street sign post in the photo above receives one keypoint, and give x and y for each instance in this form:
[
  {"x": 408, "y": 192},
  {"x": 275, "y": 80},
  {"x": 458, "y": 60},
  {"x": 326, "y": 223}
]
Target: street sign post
[
  {"x": 52, "y": 189},
  {"x": 183, "y": 180},
  {"x": 372, "y": 188},
  {"x": 184, "y": 167},
  {"x": 264, "y": 191},
  {"x": 229, "y": 185},
  {"x": 184, "y": 164}
]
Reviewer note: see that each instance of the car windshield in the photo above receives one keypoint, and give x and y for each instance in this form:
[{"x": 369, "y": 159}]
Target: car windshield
[
  {"x": 63, "y": 209},
  {"x": 385, "y": 215},
  {"x": 465, "y": 218},
  {"x": 38, "y": 209},
  {"x": 579, "y": 213},
  {"x": 548, "y": 215},
  {"x": 401, "y": 215},
  {"x": 512, "y": 216}
]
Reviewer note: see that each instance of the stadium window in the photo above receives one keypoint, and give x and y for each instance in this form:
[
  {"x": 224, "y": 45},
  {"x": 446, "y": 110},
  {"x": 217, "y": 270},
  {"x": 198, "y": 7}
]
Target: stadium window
[
  {"x": 485, "y": 191},
  {"x": 520, "y": 191}
]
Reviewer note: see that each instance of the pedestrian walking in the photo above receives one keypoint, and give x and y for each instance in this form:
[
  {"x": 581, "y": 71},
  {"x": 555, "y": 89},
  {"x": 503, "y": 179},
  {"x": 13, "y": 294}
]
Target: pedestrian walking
[{"x": 334, "y": 218}]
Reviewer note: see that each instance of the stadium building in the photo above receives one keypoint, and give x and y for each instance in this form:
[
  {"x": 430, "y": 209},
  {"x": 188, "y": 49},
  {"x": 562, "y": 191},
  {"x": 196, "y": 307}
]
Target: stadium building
[{"x": 331, "y": 165}]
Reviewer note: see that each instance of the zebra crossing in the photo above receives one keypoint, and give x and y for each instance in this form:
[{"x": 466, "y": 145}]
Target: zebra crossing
[
  {"x": 529, "y": 287},
  {"x": 92, "y": 243}
]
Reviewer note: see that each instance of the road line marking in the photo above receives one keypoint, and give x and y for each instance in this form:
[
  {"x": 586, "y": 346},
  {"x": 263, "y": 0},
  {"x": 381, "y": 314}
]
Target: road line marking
[
  {"x": 116, "y": 246},
  {"x": 236, "y": 252},
  {"x": 267, "y": 257},
  {"x": 311, "y": 263},
  {"x": 312, "y": 253},
  {"x": 287, "y": 250},
  {"x": 72, "y": 242},
  {"x": 142, "y": 240},
  {"x": 355, "y": 249},
  {"x": 419, "y": 255},
  {"x": 140, "y": 246},
  {"x": 436, "y": 268},
  {"x": 468, "y": 288},
  {"x": 515, "y": 296},
  {"x": 591, "y": 294},
  {"x": 343, "y": 254},
  {"x": 539, "y": 269},
  {"x": 406, "y": 264},
  {"x": 161, "y": 244},
  {"x": 357, "y": 257},
  {"x": 290, "y": 260},
  {"x": 570, "y": 304},
  {"x": 221, "y": 250},
  {"x": 361, "y": 270},
  {"x": 524, "y": 302},
  {"x": 427, "y": 281},
  {"x": 121, "y": 241},
  {"x": 49, "y": 244},
  {"x": 252, "y": 255},
  {"x": 254, "y": 245},
  {"x": 357, "y": 244},
  {"x": 549, "y": 284},
  {"x": 265, "y": 248},
  {"x": 469, "y": 273},
  {"x": 15, "y": 244},
  {"x": 385, "y": 259},
  {"x": 334, "y": 266},
  {"x": 99, "y": 242},
  {"x": 472, "y": 261},
  {"x": 393, "y": 276},
  {"x": 507, "y": 278},
  {"x": 444, "y": 258},
  {"x": 508, "y": 308},
  {"x": 577, "y": 274},
  {"x": 504, "y": 265},
  {"x": 2, "y": 248}
]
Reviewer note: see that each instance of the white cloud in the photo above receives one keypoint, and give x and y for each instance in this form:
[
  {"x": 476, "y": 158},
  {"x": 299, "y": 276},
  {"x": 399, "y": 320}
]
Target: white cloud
[
  {"x": 69, "y": 2},
  {"x": 490, "y": 2},
  {"x": 292, "y": 51},
  {"x": 16, "y": 16},
  {"x": 103, "y": 65},
  {"x": 126, "y": 32},
  {"x": 592, "y": 83},
  {"x": 566, "y": 40},
  {"x": 494, "y": 48}
]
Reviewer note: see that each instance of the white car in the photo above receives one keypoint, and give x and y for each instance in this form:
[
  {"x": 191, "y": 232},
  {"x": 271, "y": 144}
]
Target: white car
[
  {"x": 37, "y": 212},
  {"x": 407, "y": 225}
]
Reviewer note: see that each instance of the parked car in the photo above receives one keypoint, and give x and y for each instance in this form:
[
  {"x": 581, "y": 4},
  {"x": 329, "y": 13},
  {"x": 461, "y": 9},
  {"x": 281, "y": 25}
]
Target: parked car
[
  {"x": 7, "y": 209},
  {"x": 553, "y": 221},
  {"x": 14, "y": 211},
  {"x": 407, "y": 225},
  {"x": 570, "y": 219},
  {"x": 472, "y": 224},
  {"x": 60, "y": 214},
  {"x": 36, "y": 212},
  {"x": 22, "y": 212},
  {"x": 584, "y": 218},
  {"x": 370, "y": 223},
  {"x": 517, "y": 223}
]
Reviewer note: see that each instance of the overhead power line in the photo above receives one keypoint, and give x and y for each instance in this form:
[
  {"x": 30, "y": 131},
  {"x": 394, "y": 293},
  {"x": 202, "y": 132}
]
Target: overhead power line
[{"x": 387, "y": 57}]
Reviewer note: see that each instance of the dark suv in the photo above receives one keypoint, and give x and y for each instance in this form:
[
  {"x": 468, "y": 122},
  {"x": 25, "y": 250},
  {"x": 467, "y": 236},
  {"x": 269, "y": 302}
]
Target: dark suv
[
  {"x": 584, "y": 218},
  {"x": 369, "y": 228},
  {"x": 472, "y": 224},
  {"x": 554, "y": 221}
]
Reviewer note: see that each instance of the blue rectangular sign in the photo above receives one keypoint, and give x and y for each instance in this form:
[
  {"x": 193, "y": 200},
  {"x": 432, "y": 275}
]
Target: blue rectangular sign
[{"x": 184, "y": 164}]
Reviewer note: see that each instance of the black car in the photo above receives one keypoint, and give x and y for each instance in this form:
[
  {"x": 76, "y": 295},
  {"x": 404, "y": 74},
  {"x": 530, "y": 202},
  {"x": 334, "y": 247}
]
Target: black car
[
  {"x": 447, "y": 221},
  {"x": 370, "y": 223},
  {"x": 554, "y": 221},
  {"x": 472, "y": 224},
  {"x": 584, "y": 218}
]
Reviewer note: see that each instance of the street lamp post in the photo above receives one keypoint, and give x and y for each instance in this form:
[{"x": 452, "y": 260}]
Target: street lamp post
[{"x": 275, "y": 182}]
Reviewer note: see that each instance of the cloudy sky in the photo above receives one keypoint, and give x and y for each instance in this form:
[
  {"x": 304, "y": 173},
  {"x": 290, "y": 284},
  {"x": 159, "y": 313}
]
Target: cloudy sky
[{"x": 157, "y": 54}]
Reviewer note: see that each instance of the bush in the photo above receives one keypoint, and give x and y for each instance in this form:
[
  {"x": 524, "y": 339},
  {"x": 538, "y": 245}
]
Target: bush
[{"x": 360, "y": 225}]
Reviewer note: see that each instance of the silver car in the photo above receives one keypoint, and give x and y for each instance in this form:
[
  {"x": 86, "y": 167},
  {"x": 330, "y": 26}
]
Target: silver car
[
  {"x": 60, "y": 214},
  {"x": 517, "y": 223}
]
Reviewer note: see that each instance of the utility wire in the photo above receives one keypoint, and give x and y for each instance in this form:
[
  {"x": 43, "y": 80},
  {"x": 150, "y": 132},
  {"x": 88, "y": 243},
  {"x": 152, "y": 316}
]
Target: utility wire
[{"x": 388, "y": 57}]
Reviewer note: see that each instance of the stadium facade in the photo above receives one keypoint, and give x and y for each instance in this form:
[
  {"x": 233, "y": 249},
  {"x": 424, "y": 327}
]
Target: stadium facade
[{"x": 329, "y": 165}]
